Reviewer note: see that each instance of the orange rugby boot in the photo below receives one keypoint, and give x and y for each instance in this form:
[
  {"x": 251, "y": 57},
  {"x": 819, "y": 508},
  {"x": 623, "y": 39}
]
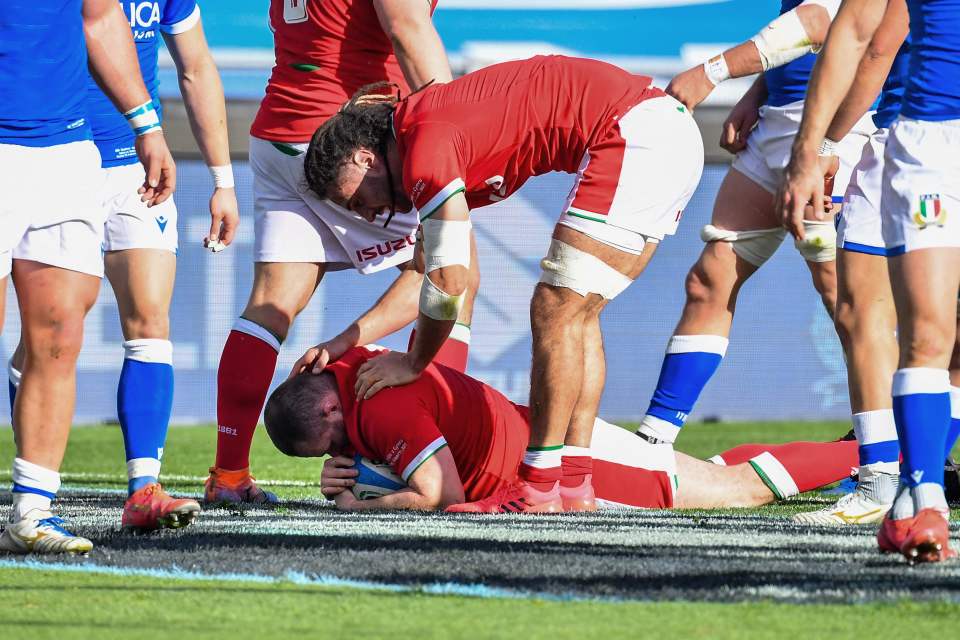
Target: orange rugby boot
[
  {"x": 928, "y": 539},
  {"x": 234, "y": 487},
  {"x": 580, "y": 497},
  {"x": 518, "y": 497},
  {"x": 893, "y": 533},
  {"x": 150, "y": 507}
]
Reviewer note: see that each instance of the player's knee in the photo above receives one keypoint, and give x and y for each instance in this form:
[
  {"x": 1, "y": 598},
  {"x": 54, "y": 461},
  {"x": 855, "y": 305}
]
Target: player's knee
[
  {"x": 926, "y": 339},
  {"x": 271, "y": 316},
  {"x": 153, "y": 323},
  {"x": 57, "y": 341},
  {"x": 554, "y": 308},
  {"x": 705, "y": 287}
]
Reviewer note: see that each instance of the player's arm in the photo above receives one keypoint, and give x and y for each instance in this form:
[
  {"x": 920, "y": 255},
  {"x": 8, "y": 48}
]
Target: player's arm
[
  {"x": 832, "y": 77},
  {"x": 795, "y": 33},
  {"x": 113, "y": 63},
  {"x": 203, "y": 97},
  {"x": 743, "y": 117},
  {"x": 433, "y": 486},
  {"x": 419, "y": 50},
  {"x": 446, "y": 233}
]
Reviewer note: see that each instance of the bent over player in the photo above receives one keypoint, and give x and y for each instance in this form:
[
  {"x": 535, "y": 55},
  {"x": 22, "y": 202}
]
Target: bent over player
[
  {"x": 452, "y": 438},
  {"x": 449, "y": 149},
  {"x": 325, "y": 51},
  {"x": 51, "y": 222}
]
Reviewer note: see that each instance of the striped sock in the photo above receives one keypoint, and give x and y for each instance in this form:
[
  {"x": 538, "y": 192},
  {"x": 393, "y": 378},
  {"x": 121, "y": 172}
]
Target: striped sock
[
  {"x": 541, "y": 467},
  {"x": 576, "y": 463},
  {"x": 688, "y": 365},
  {"x": 33, "y": 488},
  {"x": 795, "y": 467},
  {"x": 921, "y": 407},
  {"x": 144, "y": 403}
]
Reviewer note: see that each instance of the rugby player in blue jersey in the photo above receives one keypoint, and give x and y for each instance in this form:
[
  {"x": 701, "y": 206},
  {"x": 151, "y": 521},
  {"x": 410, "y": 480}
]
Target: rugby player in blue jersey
[
  {"x": 140, "y": 244},
  {"x": 921, "y": 185},
  {"x": 51, "y": 222}
]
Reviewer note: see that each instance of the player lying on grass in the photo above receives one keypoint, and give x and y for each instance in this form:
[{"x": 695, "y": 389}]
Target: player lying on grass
[{"x": 452, "y": 438}]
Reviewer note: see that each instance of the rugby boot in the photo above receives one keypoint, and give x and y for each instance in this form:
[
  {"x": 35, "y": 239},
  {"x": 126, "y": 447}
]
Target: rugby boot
[
  {"x": 150, "y": 507},
  {"x": 893, "y": 533},
  {"x": 853, "y": 508},
  {"x": 43, "y": 533},
  {"x": 234, "y": 487},
  {"x": 519, "y": 497},
  {"x": 928, "y": 539},
  {"x": 580, "y": 497}
]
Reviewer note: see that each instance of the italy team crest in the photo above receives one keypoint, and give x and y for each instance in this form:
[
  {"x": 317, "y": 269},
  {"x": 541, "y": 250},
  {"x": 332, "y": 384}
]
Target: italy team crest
[{"x": 930, "y": 211}]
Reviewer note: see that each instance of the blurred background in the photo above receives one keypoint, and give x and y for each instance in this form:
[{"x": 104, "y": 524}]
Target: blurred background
[{"x": 784, "y": 360}]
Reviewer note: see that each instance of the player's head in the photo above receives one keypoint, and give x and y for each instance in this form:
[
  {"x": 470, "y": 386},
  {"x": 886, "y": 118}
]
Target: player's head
[
  {"x": 304, "y": 417},
  {"x": 347, "y": 160}
]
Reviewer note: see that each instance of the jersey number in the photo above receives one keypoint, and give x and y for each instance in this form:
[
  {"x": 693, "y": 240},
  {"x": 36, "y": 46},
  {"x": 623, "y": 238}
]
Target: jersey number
[{"x": 294, "y": 11}]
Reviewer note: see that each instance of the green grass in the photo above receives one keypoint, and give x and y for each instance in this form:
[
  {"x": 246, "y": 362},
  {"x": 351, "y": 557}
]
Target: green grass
[{"x": 47, "y": 604}]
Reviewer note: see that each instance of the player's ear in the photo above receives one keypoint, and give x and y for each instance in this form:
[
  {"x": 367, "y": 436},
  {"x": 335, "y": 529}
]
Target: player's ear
[{"x": 364, "y": 158}]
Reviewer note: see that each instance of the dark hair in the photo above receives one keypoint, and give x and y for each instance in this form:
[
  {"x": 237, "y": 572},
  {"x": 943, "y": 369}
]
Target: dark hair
[
  {"x": 291, "y": 412},
  {"x": 364, "y": 121}
]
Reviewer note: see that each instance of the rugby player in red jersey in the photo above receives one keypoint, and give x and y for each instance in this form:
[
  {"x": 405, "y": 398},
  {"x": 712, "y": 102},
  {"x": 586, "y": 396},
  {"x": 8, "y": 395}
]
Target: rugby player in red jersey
[
  {"x": 325, "y": 51},
  {"x": 452, "y": 438},
  {"x": 448, "y": 149}
]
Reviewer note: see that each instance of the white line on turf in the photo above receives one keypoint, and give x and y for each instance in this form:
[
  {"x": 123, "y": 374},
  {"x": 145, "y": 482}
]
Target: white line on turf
[{"x": 110, "y": 477}]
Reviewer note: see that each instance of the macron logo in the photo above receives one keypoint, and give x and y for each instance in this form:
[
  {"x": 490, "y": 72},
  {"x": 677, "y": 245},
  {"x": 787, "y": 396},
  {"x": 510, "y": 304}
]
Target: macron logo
[
  {"x": 162, "y": 223},
  {"x": 916, "y": 476}
]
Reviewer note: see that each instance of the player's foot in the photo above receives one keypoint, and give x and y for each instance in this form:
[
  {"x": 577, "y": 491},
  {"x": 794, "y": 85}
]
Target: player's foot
[
  {"x": 518, "y": 497},
  {"x": 150, "y": 507},
  {"x": 853, "y": 508},
  {"x": 928, "y": 539},
  {"x": 234, "y": 487},
  {"x": 581, "y": 497},
  {"x": 42, "y": 532},
  {"x": 893, "y": 533}
]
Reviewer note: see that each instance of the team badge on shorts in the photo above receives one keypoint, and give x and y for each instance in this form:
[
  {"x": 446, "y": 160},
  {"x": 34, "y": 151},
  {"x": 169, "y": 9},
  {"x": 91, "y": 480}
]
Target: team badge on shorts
[{"x": 930, "y": 212}]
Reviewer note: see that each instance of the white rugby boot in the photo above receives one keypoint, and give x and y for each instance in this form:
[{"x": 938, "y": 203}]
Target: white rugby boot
[
  {"x": 853, "y": 508},
  {"x": 42, "y": 532}
]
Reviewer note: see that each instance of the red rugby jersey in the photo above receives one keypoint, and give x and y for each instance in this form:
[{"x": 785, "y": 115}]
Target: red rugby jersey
[
  {"x": 325, "y": 51},
  {"x": 403, "y": 426},
  {"x": 490, "y": 131}
]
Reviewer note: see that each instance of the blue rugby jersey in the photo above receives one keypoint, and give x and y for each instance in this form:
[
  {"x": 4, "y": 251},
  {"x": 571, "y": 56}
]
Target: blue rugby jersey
[
  {"x": 43, "y": 73},
  {"x": 788, "y": 83},
  {"x": 933, "y": 85},
  {"x": 111, "y": 132},
  {"x": 891, "y": 97}
]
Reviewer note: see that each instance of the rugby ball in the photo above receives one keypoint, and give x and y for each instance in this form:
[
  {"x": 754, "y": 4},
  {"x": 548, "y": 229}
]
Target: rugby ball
[{"x": 376, "y": 479}]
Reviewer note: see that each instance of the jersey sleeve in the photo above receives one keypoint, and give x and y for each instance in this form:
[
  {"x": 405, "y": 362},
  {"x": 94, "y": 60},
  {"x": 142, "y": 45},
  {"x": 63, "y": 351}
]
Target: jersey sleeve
[
  {"x": 433, "y": 166},
  {"x": 179, "y": 16},
  {"x": 400, "y": 431}
]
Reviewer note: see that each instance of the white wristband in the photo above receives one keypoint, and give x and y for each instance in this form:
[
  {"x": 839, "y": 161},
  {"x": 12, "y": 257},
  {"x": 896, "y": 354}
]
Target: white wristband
[
  {"x": 143, "y": 119},
  {"x": 828, "y": 147},
  {"x": 716, "y": 69},
  {"x": 222, "y": 176}
]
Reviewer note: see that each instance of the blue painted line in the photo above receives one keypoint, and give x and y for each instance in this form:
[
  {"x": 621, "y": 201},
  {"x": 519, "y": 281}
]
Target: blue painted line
[{"x": 302, "y": 579}]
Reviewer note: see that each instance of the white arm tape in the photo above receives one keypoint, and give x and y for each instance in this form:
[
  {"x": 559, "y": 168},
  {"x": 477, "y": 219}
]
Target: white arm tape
[
  {"x": 222, "y": 176},
  {"x": 832, "y": 6},
  {"x": 716, "y": 69},
  {"x": 438, "y": 304},
  {"x": 782, "y": 41},
  {"x": 445, "y": 243},
  {"x": 582, "y": 272}
]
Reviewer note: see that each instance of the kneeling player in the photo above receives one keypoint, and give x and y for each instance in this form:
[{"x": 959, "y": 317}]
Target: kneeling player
[{"x": 454, "y": 439}]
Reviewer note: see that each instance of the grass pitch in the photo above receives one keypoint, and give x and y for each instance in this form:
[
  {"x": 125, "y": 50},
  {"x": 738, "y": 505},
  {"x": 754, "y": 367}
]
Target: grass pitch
[{"x": 306, "y": 568}]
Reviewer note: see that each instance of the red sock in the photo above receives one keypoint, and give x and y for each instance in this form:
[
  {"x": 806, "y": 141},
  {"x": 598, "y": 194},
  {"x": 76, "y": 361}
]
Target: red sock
[
  {"x": 247, "y": 366},
  {"x": 541, "y": 478},
  {"x": 454, "y": 352},
  {"x": 575, "y": 469},
  {"x": 796, "y": 467},
  {"x": 742, "y": 453}
]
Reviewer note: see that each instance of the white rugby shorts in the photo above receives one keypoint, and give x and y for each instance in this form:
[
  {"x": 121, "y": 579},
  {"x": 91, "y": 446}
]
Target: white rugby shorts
[
  {"x": 859, "y": 227},
  {"x": 291, "y": 224},
  {"x": 628, "y": 472},
  {"x": 633, "y": 184},
  {"x": 920, "y": 208},
  {"x": 50, "y": 206},
  {"x": 130, "y": 223}
]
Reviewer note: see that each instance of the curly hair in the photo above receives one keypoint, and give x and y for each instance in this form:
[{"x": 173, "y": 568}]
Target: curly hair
[{"x": 364, "y": 121}]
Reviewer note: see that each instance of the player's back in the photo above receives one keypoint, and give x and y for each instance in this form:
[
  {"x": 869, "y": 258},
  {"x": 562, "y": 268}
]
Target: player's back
[
  {"x": 325, "y": 51},
  {"x": 43, "y": 70},
  {"x": 933, "y": 89}
]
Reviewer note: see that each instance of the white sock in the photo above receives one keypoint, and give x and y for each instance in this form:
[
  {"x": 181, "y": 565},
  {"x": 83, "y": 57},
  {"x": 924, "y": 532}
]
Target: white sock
[
  {"x": 903, "y": 503},
  {"x": 34, "y": 488},
  {"x": 543, "y": 458},
  {"x": 578, "y": 452},
  {"x": 928, "y": 495}
]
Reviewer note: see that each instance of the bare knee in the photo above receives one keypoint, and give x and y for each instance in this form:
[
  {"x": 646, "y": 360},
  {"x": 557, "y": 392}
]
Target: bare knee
[
  {"x": 557, "y": 309},
  {"x": 707, "y": 285},
  {"x": 147, "y": 321},
  {"x": 925, "y": 340},
  {"x": 56, "y": 340}
]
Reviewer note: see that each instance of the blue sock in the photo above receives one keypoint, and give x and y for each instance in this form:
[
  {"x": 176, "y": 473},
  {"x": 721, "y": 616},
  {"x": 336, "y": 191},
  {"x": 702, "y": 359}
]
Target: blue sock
[
  {"x": 877, "y": 441},
  {"x": 144, "y": 403},
  {"x": 921, "y": 407},
  {"x": 954, "y": 431},
  {"x": 688, "y": 365},
  {"x": 13, "y": 383}
]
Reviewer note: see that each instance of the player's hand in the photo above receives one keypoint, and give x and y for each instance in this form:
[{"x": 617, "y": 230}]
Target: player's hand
[
  {"x": 316, "y": 359},
  {"x": 389, "y": 370},
  {"x": 161, "y": 172},
  {"x": 224, "y": 219},
  {"x": 801, "y": 194},
  {"x": 738, "y": 125},
  {"x": 337, "y": 476},
  {"x": 690, "y": 87},
  {"x": 346, "y": 501}
]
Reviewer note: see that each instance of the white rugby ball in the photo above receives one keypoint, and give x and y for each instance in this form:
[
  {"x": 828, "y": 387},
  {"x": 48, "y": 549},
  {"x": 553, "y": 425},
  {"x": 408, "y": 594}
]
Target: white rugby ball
[{"x": 376, "y": 479}]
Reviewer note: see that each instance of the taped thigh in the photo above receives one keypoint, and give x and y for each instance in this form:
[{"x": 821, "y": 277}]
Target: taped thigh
[
  {"x": 819, "y": 242},
  {"x": 755, "y": 246},
  {"x": 569, "y": 267}
]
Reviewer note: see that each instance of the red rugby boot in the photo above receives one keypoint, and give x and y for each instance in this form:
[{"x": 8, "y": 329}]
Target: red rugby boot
[
  {"x": 893, "y": 533},
  {"x": 928, "y": 539},
  {"x": 518, "y": 497},
  {"x": 150, "y": 507},
  {"x": 580, "y": 497},
  {"x": 235, "y": 487}
]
